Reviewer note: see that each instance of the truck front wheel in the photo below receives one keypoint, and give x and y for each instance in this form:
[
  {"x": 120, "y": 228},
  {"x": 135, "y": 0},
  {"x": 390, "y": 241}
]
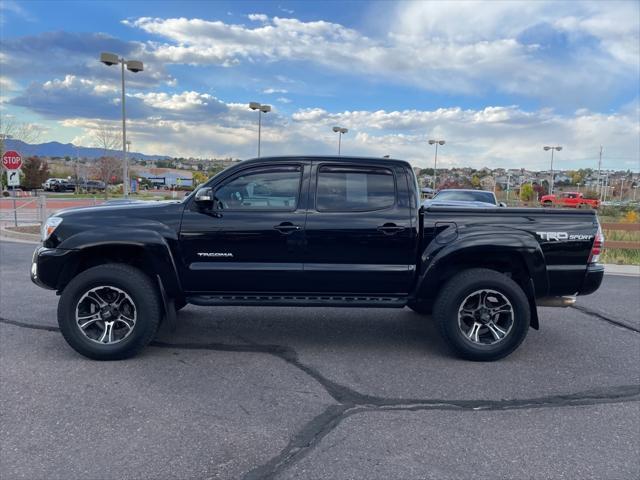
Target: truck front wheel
[
  {"x": 109, "y": 312},
  {"x": 482, "y": 314}
]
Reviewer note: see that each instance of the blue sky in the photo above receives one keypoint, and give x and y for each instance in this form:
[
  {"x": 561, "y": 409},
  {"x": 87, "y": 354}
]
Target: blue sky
[{"x": 497, "y": 80}]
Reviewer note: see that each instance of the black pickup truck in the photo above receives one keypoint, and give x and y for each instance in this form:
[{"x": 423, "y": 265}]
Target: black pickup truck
[{"x": 314, "y": 232}]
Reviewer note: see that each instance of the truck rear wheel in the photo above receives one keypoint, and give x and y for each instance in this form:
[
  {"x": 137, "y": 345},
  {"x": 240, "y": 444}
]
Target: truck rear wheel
[
  {"x": 482, "y": 314},
  {"x": 109, "y": 312}
]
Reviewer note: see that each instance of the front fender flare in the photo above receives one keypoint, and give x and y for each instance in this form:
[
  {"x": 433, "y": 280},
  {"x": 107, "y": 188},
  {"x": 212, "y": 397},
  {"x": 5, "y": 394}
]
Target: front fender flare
[{"x": 157, "y": 251}]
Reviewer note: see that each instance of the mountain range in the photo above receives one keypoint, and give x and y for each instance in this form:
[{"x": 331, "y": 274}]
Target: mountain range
[{"x": 57, "y": 149}]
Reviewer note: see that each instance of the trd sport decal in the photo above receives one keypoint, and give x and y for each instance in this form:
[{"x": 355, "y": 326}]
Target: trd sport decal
[{"x": 562, "y": 236}]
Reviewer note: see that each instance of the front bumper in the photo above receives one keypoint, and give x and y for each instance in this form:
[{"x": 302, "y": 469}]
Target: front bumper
[
  {"x": 48, "y": 265},
  {"x": 592, "y": 279}
]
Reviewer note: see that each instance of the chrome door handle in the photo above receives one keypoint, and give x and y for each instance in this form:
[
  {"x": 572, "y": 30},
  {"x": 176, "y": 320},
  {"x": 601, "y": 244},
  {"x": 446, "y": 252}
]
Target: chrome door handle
[
  {"x": 390, "y": 228},
  {"x": 287, "y": 228}
]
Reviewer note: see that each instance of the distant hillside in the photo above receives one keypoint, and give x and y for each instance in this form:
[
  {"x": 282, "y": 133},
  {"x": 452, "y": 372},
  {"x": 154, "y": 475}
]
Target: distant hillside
[{"x": 57, "y": 149}]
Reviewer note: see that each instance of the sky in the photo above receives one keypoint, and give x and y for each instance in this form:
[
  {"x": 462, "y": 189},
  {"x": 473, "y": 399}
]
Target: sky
[{"x": 496, "y": 80}]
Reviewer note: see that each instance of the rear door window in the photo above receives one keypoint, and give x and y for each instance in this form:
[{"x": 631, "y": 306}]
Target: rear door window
[{"x": 354, "y": 189}]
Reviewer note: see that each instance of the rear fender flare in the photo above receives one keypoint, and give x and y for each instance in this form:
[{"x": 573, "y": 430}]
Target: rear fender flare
[{"x": 479, "y": 244}]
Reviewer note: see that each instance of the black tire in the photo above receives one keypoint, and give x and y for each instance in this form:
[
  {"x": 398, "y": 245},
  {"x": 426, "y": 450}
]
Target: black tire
[
  {"x": 136, "y": 285},
  {"x": 451, "y": 298},
  {"x": 547, "y": 204}
]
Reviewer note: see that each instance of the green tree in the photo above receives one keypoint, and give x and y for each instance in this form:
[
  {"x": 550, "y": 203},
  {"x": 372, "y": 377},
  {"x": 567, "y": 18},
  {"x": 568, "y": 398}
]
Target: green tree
[
  {"x": 526, "y": 192},
  {"x": 199, "y": 178},
  {"x": 35, "y": 171},
  {"x": 475, "y": 181},
  {"x": 576, "y": 177}
]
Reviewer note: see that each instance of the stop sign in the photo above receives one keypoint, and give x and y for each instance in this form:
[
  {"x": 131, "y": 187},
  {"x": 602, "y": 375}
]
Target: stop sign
[{"x": 12, "y": 160}]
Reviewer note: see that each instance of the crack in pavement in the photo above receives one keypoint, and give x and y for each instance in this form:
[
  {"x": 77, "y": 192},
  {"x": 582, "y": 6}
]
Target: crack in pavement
[
  {"x": 311, "y": 434},
  {"x": 33, "y": 326},
  {"x": 600, "y": 316},
  {"x": 351, "y": 402}
]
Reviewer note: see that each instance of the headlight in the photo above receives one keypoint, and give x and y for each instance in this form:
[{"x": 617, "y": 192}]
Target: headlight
[{"x": 49, "y": 226}]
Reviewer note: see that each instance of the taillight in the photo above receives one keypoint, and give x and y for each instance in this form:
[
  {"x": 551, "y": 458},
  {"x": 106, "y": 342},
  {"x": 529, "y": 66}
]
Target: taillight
[{"x": 596, "y": 249}]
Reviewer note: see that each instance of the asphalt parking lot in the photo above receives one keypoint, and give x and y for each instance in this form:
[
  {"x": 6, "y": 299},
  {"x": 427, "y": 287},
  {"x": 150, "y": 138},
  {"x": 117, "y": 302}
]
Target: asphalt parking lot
[{"x": 319, "y": 393}]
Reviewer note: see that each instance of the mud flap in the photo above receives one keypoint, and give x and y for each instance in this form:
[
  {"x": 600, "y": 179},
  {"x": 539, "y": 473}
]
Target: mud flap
[
  {"x": 530, "y": 291},
  {"x": 169, "y": 308}
]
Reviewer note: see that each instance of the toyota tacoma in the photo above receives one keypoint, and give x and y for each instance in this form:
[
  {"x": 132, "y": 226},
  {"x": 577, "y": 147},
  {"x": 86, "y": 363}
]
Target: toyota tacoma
[{"x": 314, "y": 232}]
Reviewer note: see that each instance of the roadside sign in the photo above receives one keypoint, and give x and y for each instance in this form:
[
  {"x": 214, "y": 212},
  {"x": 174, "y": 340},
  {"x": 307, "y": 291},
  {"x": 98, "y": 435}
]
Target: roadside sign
[
  {"x": 13, "y": 178},
  {"x": 12, "y": 160}
]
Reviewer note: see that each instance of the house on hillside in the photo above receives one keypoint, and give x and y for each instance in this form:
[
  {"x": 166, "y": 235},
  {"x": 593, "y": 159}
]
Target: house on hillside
[{"x": 169, "y": 177}]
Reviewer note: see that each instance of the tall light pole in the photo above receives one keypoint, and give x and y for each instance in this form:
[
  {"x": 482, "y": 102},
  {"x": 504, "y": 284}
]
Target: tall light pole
[
  {"x": 554, "y": 148},
  {"x": 435, "y": 160},
  {"x": 340, "y": 131},
  {"x": 261, "y": 109},
  {"x": 128, "y": 155},
  {"x": 134, "y": 66},
  {"x": 599, "y": 174}
]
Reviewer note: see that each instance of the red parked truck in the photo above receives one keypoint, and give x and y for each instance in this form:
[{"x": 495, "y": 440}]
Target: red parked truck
[{"x": 569, "y": 199}]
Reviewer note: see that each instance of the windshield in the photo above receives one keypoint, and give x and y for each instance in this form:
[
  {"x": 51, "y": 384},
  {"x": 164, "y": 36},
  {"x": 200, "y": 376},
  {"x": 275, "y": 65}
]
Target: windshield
[{"x": 466, "y": 196}]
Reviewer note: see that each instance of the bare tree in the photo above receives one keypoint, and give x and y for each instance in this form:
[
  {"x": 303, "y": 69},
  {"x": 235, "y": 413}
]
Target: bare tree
[
  {"x": 107, "y": 138},
  {"x": 10, "y": 129},
  {"x": 106, "y": 168}
]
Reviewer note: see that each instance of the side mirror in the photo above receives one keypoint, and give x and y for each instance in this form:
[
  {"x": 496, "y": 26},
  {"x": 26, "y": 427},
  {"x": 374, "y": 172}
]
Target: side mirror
[
  {"x": 204, "y": 197},
  {"x": 502, "y": 204}
]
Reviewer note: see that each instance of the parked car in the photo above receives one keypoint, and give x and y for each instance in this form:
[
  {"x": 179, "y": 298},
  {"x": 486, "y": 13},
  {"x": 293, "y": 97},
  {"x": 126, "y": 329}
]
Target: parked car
[
  {"x": 455, "y": 197},
  {"x": 314, "y": 232},
  {"x": 90, "y": 185},
  {"x": 569, "y": 199},
  {"x": 55, "y": 185}
]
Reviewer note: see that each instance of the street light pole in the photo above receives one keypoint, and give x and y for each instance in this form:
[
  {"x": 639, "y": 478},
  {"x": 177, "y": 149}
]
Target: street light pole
[
  {"x": 599, "y": 175},
  {"x": 134, "y": 66},
  {"x": 261, "y": 109},
  {"x": 547, "y": 148},
  {"x": 435, "y": 160},
  {"x": 340, "y": 131},
  {"x": 125, "y": 165}
]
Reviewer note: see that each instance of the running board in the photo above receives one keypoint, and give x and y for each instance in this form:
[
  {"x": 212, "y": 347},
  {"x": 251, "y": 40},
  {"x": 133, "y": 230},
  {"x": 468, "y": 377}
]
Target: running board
[{"x": 299, "y": 301}]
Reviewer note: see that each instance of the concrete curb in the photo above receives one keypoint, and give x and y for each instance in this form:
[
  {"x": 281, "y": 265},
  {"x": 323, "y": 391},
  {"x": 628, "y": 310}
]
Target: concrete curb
[
  {"x": 18, "y": 237},
  {"x": 624, "y": 270}
]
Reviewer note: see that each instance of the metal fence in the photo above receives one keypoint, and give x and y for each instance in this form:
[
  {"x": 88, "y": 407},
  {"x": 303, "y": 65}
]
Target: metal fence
[{"x": 17, "y": 211}]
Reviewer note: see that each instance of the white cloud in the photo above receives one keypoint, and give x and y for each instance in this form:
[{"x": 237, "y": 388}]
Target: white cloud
[
  {"x": 283, "y": 100},
  {"x": 269, "y": 91},
  {"x": 180, "y": 101},
  {"x": 494, "y": 136},
  {"x": 451, "y": 47},
  {"x": 258, "y": 17},
  {"x": 72, "y": 82}
]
